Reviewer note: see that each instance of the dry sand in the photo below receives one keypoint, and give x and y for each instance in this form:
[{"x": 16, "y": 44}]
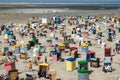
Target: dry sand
[{"x": 15, "y": 16}]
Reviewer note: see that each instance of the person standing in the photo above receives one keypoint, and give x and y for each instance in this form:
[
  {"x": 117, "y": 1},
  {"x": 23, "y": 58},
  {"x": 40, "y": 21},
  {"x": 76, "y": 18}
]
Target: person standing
[
  {"x": 30, "y": 65},
  {"x": 45, "y": 59},
  {"x": 35, "y": 51},
  {"x": 111, "y": 58},
  {"x": 38, "y": 59}
]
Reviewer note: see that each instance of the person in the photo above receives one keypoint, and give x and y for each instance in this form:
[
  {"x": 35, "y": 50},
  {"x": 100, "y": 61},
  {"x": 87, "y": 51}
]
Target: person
[
  {"x": 22, "y": 34},
  {"x": 111, "y": 58},
  {"x": 35, "y": 51},
  {"x": 30, "y": 65},
  {"x": 38, "y": 58},
  {"x": 45, "y": 59},
  {"x": 0, "y": 31},
  {"x": 103, "y": 44},
  {"x": 80, "y": 43}
]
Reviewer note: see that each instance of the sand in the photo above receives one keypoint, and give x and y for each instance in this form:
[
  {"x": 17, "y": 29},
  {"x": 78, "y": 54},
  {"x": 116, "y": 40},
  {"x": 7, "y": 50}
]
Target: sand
[{"x": 16, "y": 16}]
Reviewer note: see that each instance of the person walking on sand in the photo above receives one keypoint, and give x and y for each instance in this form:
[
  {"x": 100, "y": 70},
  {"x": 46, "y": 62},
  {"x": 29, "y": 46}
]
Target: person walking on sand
[{"x": 30, "y": 65}]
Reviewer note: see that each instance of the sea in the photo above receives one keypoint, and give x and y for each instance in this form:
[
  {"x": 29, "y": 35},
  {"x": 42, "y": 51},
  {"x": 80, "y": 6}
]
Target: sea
[{"x": 77, "y": 6}]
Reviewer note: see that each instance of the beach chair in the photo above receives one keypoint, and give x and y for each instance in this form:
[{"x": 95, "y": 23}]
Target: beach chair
[
  {"x": 23, "y": 56},
  {"x": 13, "y": 74},
  {"x": 107, "y": 66},
  {"x": 6, "y": 49},
  {"x": 107, "y": 51},
  {"x": 42, "y": 49},
  {"x": 89, "y": 55},
  {"x": 43, "y": 69},
  {"x": 95, "y": 62},
  {"x": 83, "y": 65},
  {"x": 2, "y": 53}
]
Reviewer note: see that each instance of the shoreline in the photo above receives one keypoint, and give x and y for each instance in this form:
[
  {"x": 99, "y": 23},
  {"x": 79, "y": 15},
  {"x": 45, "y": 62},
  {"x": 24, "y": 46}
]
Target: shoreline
[{"x": 69, "y": 6}]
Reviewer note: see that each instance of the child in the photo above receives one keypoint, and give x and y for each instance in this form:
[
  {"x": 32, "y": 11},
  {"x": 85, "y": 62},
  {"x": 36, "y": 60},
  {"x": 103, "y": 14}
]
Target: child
[{"x": 30, "y": 65}]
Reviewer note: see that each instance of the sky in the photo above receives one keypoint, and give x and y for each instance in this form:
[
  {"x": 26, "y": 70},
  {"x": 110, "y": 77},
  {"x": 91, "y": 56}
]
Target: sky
[{"x": 61, "y": 1}]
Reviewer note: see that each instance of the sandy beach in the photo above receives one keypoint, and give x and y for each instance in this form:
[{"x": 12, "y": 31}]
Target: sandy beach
[{"x": 21, "y": 16}]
